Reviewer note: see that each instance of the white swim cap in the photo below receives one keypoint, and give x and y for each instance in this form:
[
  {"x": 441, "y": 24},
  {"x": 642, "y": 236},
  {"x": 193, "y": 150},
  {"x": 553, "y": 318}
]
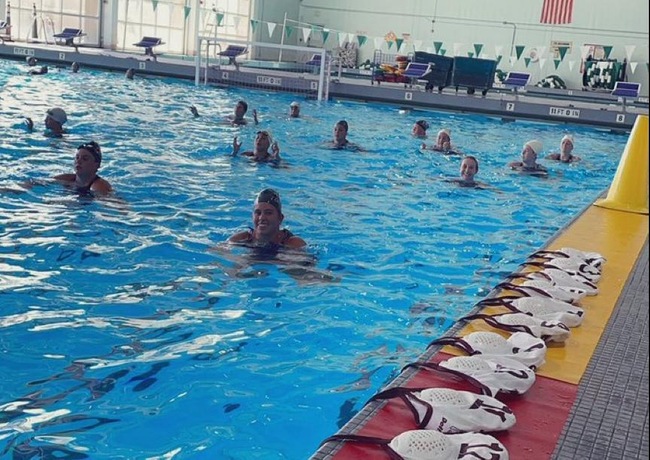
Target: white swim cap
[
  {"x": 294, "y": 104},
  {"x": 536, "y": 145},
  {"x": 446, "y": 131},
  {"x": 567, "y": 137}
]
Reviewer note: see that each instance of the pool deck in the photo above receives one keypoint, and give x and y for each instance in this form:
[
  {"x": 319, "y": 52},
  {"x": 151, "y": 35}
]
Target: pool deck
[
  {"x": 598, "y": 109},
  {"x": 590, "y": 400}
]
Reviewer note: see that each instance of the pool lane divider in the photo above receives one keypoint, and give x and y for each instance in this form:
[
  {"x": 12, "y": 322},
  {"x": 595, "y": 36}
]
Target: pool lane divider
[{"x": 618, "y": 231}]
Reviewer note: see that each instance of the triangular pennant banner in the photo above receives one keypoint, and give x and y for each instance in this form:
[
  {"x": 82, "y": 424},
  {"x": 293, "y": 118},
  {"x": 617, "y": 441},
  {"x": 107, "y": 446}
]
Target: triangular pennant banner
[
  {"x": 341, "y": 37},
  {"x": 608, "y": 50},
  {"x": 288, "y": 30},
  {"x": 351, "y": 38},
  {"x": 633, "y": 66},
  {"x": 557, "y": 63},
  {"x": 498, "y": 50},
  {"x": 254, "y": 24},
  {"x": 584, "y": 51},
  {"x": 398, "y": 43},
  {"x": 478, "y": 47},
  {"x": 526, "y": 61},
  {"x": 362, "y": 40},
  {"x": 437, "y": 46},
  {"x": 562, "y": 50},
  {"x": 498, "y": 59},
  {"x": 519, "y": 49},
  {"x": 457, "y": 47},
  {"x": 186, "y": 11},
  {"x": 542, "y": 63},
  {"x": 470, "y": 54},
  {"x": 572, "y": 64},
  {"x": 378, "y": 42},
  {"x": 271, "y": 27},
  {"x": 390, "y": 44},
  {"x": 442, "y": 51},
  {"x": 154, "y": 3},
  {"x": 512, "y": 60},
  {"x": 326, "y": 35},
  {"x": 629, "y": 49},
  {"x": 417, "y": 44},
  {"x": 220, "y": 18},
  {"x": 541, "y": 51},
  {"x": 306, "y": 32}
]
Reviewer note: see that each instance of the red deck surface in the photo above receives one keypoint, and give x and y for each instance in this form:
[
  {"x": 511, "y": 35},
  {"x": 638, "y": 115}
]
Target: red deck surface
[{"x": 541, "y": 414}]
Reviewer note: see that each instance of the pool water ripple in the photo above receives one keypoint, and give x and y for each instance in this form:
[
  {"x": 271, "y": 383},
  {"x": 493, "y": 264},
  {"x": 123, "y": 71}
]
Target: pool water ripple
[{"x": 128, "y": 333}]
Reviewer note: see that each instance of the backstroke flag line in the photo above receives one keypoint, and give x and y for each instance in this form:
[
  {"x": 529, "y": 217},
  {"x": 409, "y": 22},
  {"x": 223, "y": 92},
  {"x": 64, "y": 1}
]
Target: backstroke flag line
[{"x": 557, "y": 12}]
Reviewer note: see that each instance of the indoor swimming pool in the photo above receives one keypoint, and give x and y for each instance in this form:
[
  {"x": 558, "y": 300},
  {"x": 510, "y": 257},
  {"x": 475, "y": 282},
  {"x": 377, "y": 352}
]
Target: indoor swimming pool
[{"x": 125, "y": 332}]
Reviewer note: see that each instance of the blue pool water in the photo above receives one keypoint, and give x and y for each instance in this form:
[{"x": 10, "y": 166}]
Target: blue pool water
[{"x": 123, "y": 335}]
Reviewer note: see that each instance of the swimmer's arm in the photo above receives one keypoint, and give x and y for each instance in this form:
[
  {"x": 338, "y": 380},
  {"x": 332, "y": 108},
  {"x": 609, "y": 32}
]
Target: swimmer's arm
[
  {"x": 25, "y": 186},
  {"x": 553, "y": 156},
  {"x": 255, "y": 116},
  {"x": 65, "y": 178},
  {"x": 102, "y": 187},
  {"x": 275, "y": 149},
  {"x": 30, "y": 124},
  {"x": 515, "y": 164},
  {"x": 295, "y": 242},
  {"x": 240, "y": 237},
  {"x": 433, "y": 147},
  {"x": 235, "y": 146}
]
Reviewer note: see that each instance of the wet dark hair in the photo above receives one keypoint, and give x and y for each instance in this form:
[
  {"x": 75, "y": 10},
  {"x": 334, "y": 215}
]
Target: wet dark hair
[
  {"x": 343, "y": 124},
  {"x": 244, "y": 105},
  {"x": 268, "y": 195},
  {"x": 422, "y": 124},
  {"x": 470, "y": 157},
  {"x": 94, "y": 149}
]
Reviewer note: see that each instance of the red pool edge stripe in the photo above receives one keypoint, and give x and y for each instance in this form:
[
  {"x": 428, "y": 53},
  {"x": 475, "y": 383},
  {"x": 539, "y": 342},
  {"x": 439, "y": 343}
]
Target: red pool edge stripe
[{"x": 541, "y": 415}]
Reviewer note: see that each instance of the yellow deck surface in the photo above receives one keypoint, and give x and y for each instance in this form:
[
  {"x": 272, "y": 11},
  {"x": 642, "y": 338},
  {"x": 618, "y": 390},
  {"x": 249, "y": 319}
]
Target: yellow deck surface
[{"x": 619, "y": 236}]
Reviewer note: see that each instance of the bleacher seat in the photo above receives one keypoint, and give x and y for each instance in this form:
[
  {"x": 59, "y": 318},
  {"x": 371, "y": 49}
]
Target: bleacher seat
[
  {"x": 68, "y": 37},
  {"x": 316, "y": 60},
  {"x": 149, "y": 43},
  {"x": 626, "y": 89},
  {"x": 416, "y": 71},
  {"x": 232, "y": 52},
  {"x": 517, "y": 79}
]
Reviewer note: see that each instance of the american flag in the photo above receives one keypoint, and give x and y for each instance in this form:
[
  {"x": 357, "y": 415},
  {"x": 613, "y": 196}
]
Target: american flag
[{"x": 557, "y": 12}]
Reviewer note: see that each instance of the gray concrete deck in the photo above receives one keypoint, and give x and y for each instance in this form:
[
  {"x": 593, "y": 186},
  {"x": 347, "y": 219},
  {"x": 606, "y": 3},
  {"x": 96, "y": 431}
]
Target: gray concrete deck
[{"x": 609, "y": 419}]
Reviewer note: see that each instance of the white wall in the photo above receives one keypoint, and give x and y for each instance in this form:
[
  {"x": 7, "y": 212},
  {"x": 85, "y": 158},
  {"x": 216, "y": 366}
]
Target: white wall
[
  {"x": 462, "y": 23},
  {"x": 274, "y": 11}
]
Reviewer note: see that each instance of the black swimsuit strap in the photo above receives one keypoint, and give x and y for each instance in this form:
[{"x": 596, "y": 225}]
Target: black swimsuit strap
[{"x": 86, "y": 188}]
